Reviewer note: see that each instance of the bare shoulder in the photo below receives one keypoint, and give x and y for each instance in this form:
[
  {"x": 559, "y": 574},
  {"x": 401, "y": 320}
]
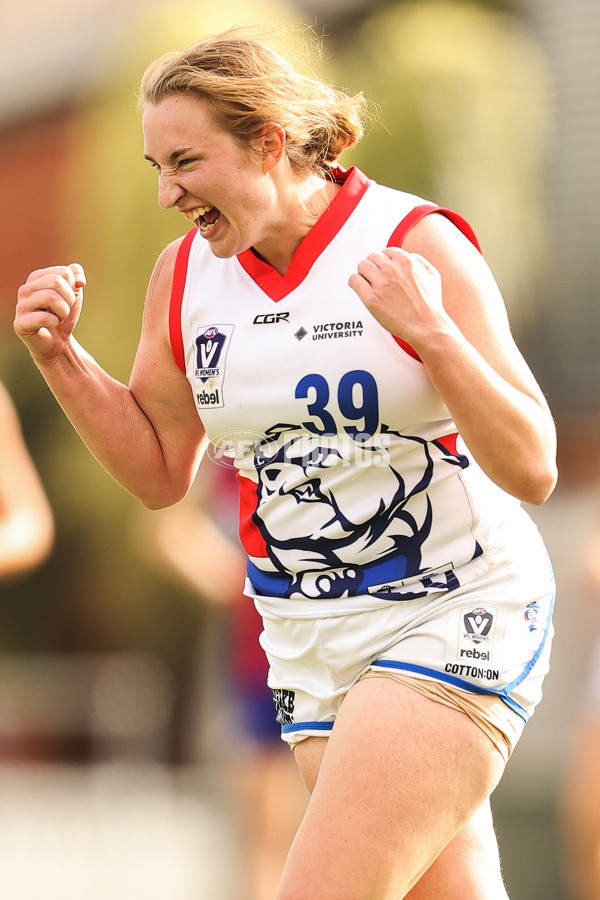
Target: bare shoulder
[
  {"x": 440, "y": 241},
  {"x": 165, "y": 264},
  {"x": 471, "y": 297},
  {"x": 160, "y": 285},
  {"x": 155, "y": 377},
  {"x": 471, "y": 294}
]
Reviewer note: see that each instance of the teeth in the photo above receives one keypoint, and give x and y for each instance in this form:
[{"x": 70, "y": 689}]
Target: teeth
[{"x": 194, "y": 214}]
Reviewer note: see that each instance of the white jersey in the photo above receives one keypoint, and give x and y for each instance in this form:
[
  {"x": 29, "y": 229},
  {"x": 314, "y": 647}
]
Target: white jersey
[{"x": 353, "y": 480}]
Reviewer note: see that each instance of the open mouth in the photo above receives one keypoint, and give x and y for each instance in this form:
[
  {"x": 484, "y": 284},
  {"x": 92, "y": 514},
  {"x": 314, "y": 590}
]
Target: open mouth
[{"x": 205, "y": 217}]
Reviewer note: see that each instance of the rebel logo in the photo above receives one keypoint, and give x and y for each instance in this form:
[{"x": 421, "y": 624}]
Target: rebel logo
[{"x": 208, "y": 398}]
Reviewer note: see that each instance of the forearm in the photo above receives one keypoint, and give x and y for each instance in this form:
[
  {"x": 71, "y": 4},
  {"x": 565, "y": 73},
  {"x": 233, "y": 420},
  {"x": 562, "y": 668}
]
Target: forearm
[
  {"x": 509, "y": 432},
  {"x": 113, "y": 426}
]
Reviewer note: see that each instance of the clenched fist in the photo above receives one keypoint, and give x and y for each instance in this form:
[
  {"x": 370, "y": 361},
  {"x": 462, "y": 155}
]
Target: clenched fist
[
  {"x": 48, "y": 307},
  {"x": 402, "y": 290}
]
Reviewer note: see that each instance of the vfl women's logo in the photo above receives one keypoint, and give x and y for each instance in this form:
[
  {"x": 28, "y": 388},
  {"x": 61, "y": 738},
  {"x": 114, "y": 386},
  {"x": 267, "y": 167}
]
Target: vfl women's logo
[
  {"x": 478, "y": 623},
  {"x": 209, "y": 346},
  {"x": 211, "y": 350}
]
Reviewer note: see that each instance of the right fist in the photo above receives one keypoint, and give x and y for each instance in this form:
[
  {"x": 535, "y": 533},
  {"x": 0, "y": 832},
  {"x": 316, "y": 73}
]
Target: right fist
[{"x": 48, "y": 307}]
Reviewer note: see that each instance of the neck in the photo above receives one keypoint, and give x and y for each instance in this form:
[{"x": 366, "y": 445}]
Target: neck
[{"x": 305, "y": 206}]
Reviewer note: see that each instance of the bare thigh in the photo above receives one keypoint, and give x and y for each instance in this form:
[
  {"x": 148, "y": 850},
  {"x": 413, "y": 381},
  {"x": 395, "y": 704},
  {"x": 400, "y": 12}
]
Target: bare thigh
[
  {"x": 468, "y": 868},
  {"x": 399, "y": 777}
]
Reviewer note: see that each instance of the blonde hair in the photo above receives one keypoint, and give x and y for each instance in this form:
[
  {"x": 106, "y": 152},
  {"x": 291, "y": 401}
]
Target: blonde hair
[{"x": 247, "y": 84}]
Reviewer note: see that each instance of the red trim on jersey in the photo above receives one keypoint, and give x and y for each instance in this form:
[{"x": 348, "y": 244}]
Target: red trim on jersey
[
  {"x": 408, "y": 222},
  {"x": 419, "y": 212},
  {"x": 448, "y": 442},
  {"x": 252, "y": 540},
  {"x": 354, "y": 184},
  {"x": 407, "y": 348},
  {"x": 177, "y": 289}
]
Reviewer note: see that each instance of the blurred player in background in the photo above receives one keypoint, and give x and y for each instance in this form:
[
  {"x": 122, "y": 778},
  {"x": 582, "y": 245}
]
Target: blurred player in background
[
  {"x": 580, "y": 796},
  {"x": 26, "y": 520},
  {"x": 198, "y": 538}
]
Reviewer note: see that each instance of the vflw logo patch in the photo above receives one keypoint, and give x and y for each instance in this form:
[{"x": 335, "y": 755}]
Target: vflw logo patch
[
  {"x": 473, "y": 635},
  {"x": 212, "y": 344}
]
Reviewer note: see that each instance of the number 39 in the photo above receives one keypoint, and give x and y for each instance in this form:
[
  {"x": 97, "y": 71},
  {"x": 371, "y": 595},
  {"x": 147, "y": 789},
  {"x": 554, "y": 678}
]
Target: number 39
[{"x": 357, "y": 401}]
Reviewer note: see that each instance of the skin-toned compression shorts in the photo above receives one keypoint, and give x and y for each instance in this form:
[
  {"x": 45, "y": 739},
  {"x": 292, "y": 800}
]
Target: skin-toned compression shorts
[
  {"x": 503, "y": 726},
  {"x": 482, "y": 648}
]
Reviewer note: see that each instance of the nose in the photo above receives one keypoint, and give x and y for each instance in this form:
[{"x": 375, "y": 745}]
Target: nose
[{"x": 169, "y": 190}]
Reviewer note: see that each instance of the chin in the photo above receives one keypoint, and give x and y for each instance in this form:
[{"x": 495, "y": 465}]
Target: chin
[{"x": 222, "y": 252}]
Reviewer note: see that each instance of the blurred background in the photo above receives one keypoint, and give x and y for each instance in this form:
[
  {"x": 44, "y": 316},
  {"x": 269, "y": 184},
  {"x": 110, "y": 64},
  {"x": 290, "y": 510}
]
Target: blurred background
[{"x": 114, "y": 724}]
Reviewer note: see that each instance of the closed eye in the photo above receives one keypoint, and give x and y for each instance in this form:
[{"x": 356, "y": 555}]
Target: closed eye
[{"x": 177, "y": 164}]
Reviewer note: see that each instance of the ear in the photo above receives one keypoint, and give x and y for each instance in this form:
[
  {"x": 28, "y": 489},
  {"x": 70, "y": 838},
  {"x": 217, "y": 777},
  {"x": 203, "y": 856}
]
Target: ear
[{"x": 270, "y": 144}]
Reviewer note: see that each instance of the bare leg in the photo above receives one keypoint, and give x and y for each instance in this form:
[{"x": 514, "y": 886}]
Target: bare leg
[
  {"x": 399, "y": 777},
  {"x": 468, "y": 868}
]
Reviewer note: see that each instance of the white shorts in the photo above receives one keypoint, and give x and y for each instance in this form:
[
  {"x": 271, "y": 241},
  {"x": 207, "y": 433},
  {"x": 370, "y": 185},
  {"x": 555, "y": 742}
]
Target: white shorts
[{"x": 491, "y": 636}]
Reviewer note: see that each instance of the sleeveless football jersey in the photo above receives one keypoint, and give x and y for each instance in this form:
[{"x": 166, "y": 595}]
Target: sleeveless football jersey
[{"x": 353, "y": 480}]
